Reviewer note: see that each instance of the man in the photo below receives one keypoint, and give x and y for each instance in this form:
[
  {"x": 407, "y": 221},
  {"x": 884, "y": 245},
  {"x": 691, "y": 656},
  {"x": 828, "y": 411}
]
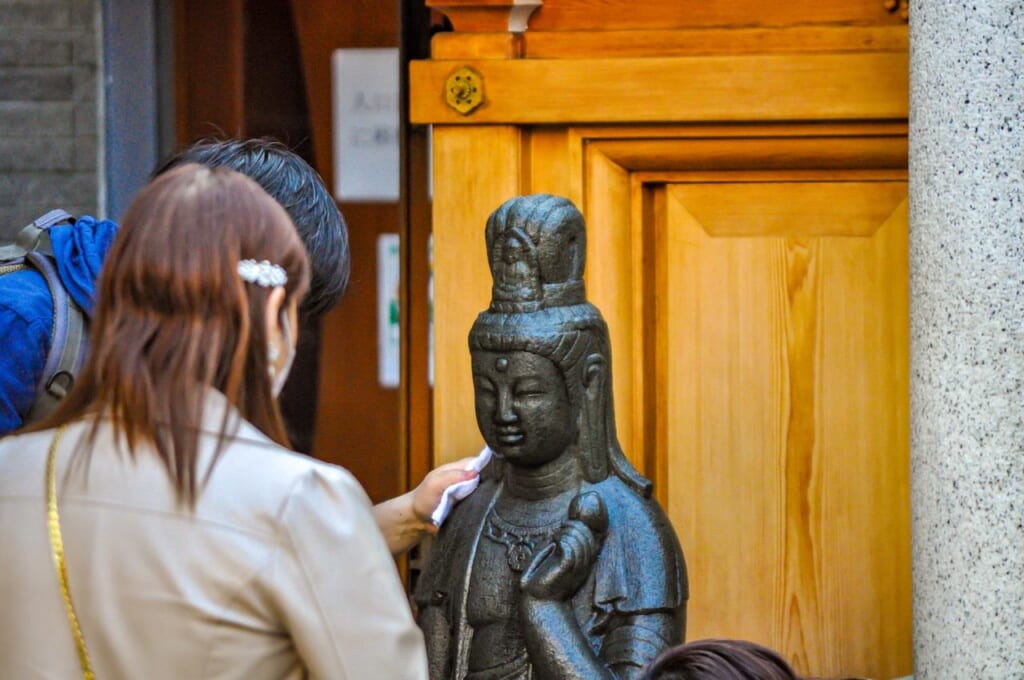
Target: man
[{"x": 26, "y": 306}]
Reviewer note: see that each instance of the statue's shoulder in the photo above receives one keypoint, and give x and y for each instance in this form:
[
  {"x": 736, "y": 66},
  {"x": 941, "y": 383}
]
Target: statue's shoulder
[
  {"x": 629, "y": 508},
  {"x": 641, "y": 547}
]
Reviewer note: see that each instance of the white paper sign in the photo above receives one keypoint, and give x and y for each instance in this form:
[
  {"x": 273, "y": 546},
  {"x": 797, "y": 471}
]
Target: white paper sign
[
  {"x": 388, "y": 330},
  {"x": 366, "y": 149}
]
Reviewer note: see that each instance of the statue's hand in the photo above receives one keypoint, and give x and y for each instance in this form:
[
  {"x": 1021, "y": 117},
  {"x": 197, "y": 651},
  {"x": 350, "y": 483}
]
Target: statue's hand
[{"x": 561, "y": 567}]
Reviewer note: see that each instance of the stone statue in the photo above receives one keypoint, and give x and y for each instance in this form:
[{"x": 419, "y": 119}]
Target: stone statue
[{"x": 560, "y": 565}]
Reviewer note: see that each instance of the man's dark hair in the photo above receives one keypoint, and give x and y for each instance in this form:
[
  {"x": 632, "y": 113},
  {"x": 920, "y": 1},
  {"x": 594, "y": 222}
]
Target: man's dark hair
[
  {"x": 719, "y": 660},
  {"x": 299, "y": 189}
]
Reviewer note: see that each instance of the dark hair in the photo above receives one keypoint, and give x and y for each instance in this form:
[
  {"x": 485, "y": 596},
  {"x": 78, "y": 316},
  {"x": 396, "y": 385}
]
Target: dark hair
[
  {"x": 173, "y": 317},
  {"x": 719, "y": 660},
  {"x": 298, "y": 187}
]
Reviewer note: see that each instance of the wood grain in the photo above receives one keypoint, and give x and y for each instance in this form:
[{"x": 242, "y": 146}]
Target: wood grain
[
  {"x": 550, "y": 150},
  {"x": 669, "y": 43},
  {"x": 787, "y": 428},
  {"x": 763, "y": 453},
  {"x": 774, "y": 87},
  {"x": 609, "y": 279},
  {"x": 850, "y": 208},
  {"x": 596, "y": 15},
  {"x": 475, "y": 171},
  {"x": 814, "y": 149}
]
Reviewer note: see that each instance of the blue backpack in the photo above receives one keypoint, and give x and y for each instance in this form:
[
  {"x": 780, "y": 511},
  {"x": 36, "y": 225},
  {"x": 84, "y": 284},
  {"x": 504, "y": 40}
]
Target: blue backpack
[{"x": 70, "y": 339}]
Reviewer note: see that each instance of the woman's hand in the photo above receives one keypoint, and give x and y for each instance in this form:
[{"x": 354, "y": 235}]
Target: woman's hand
[
  {"x": 427, "y": 496},
  {"x": 405, "y": 520},
  {"x": 559, "y": 570}
]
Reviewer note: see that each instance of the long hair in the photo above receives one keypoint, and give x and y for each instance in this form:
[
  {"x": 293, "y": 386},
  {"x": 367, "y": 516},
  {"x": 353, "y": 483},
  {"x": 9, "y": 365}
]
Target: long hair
[{"x": 174, "y": 318}]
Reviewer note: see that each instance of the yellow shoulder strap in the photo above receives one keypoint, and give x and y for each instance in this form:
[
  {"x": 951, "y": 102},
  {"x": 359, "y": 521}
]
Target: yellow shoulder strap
[{"x": 57, "y": 548}]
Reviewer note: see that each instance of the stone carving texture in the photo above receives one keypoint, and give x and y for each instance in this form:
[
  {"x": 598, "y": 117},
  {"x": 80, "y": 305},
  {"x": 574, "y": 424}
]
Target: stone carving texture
[{"x": 560, "y": 565}]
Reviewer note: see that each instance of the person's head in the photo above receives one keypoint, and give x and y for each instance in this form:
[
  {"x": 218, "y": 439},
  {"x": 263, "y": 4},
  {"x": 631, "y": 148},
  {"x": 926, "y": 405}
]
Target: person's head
[
  {"x": 296, "y": 186},
  {"x": 185, "y": 304},
  {"x": 541, "y": 355},
  {"x": 719, "y": 660}
]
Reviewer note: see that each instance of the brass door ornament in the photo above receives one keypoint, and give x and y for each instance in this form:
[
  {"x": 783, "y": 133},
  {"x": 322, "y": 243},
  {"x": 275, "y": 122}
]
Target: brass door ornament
[{"x": 464, "y": 90}]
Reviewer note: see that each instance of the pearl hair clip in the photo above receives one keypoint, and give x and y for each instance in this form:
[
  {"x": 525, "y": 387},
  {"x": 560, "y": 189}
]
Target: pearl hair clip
[{"x": 263, "y": 273}]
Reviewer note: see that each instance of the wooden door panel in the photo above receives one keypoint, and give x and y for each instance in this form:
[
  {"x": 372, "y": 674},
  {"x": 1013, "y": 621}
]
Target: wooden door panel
[
  {"x": 786, "y": 398},
  {"x": 844, "y": 208},
  {"x": 475, "y": 171},
  {"x": 611, "y": 278}
]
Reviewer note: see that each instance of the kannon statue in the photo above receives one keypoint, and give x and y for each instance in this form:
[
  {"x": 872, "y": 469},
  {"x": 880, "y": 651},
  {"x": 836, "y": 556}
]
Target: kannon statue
[{"x": 560, "y": 565}]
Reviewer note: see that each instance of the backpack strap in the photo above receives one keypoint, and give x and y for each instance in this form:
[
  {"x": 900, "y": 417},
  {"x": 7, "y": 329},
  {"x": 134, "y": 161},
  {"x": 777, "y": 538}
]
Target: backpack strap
[
  {"x": 36, "y": 236},
  {"x": 69, "y": 340}
]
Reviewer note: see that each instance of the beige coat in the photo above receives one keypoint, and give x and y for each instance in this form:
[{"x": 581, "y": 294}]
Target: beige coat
[{"x": 280, "y": 572}]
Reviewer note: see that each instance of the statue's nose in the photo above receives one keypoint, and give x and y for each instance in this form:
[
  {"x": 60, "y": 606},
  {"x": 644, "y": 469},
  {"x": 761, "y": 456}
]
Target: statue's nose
[{"x": 505, "y": 412}]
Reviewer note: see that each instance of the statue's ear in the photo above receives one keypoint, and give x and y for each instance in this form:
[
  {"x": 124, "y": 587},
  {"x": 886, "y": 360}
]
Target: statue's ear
[
  {"x": 593, "y": 434},
  {"x": 595, "y": 368}
]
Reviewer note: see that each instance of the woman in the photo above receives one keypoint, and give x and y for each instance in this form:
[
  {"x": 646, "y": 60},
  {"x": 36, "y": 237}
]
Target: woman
[{"x": 195, "y": 544}]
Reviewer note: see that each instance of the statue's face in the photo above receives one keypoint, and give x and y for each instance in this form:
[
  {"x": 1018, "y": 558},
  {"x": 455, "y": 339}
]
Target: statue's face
[{"x": 522, "y": 406}]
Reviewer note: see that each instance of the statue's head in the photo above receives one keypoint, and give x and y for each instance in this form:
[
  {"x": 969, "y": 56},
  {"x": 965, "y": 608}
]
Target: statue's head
[{"x": 541, "y": 356}]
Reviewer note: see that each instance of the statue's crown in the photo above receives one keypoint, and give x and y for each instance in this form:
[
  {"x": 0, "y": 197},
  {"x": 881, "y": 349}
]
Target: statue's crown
[{"x": 537, "y": 248}]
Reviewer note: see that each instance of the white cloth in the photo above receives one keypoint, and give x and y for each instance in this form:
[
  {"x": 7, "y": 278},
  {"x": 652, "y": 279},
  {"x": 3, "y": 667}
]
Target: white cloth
[
  {"x": 459, "y": 490},
  {"x": 278, "y": 573}
]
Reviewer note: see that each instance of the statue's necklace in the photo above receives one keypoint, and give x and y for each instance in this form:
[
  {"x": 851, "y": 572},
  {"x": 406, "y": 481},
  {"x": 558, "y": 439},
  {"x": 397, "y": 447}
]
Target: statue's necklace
[{"x": 520, "y": 542}]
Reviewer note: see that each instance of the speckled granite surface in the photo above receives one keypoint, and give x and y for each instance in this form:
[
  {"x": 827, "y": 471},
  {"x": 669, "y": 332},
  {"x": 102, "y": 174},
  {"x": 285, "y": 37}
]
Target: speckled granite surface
[{"x": 967, "y": 337}]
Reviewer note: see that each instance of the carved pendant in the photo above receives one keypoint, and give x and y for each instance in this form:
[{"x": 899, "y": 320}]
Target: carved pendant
[
  {"x": 520, "y": 542},
  {"x": 519, "y": 556}
]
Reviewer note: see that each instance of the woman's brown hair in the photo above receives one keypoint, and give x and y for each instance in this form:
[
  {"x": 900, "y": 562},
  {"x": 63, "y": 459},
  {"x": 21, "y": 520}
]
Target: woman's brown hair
[
  {"x": 719, "y": 660},
  {"x": 173, "y": 316}
]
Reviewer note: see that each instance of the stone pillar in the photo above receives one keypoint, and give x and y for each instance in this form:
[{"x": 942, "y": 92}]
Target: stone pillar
[{"x": 967, "y": 337}]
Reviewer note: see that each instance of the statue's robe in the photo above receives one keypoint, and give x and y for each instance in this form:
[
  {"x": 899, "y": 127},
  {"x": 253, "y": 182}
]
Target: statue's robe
[{"x": 638, "y": 572}]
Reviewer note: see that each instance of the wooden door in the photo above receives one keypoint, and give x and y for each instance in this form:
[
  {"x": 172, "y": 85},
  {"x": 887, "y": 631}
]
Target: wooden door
[
  {"x": 782, "y": 422},
  {"x": 748, "y": 247},
  {"x": 781, "y": 410}
]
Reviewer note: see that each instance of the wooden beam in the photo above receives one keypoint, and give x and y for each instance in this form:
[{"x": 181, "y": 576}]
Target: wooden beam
[
  {"x": 862, "y": 86},
  {"x": 675, "y": 43}
]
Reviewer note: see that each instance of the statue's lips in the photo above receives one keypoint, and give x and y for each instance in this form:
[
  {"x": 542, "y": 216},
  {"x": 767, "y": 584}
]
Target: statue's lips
[{"x": 511, "y": 438}]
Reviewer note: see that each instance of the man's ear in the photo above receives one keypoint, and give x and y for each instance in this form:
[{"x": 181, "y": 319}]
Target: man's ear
[{"x": 272, "y": 315}]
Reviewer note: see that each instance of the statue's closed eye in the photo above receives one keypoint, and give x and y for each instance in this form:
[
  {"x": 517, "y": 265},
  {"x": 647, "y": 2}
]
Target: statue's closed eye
[{"x": 530, "y": 388}]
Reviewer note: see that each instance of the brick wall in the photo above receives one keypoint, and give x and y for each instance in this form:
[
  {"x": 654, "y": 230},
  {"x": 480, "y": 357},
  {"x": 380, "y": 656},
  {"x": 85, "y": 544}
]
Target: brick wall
[{"x": 49, "y": 56}]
